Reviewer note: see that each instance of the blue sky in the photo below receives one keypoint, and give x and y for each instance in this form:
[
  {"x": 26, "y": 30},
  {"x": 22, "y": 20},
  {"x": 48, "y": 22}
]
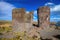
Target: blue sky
[{"x": 6, "y": 7}]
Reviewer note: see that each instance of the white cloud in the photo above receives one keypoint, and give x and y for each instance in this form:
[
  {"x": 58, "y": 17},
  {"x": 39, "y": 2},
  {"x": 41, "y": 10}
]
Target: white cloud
[
  {"x": 6, "y": 8},
  {"x": 35, "y": 19},
  {"x": 49, "y": 4},
  {"x": 55, "y": 18},
  {"x": 56, "y": 8},
  {"x": 35, "y": 15},
  {"x": 27, "y": 12},
  {"x": 35, "y": 11},
  {"x": 55, "y": 11},
  {"x": 53, "y": 7}
]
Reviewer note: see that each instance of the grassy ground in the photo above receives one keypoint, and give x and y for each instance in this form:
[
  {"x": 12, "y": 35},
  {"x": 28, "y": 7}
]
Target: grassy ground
[
  {"x": 5, "y": 29},
  {"x": 21, "y": 36},
  {"x": 5, "y": 26}
]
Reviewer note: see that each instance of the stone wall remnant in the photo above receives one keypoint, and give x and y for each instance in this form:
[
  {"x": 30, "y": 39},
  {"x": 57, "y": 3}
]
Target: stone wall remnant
[
  {"x": 43, "y": 16},
  {"x": 21, "y": 20}
]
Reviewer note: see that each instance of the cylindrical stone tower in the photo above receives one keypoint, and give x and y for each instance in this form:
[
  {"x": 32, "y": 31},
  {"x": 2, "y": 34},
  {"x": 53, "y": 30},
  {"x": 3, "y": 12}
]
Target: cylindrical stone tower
[{"x": 43, "y": 17}]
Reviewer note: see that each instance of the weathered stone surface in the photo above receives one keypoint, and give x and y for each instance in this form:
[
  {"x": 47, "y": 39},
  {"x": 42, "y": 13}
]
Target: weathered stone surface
[
  {"x": 29, "y": 17},
  {"x": 18, "y": 14},
  {"x": 21, "y": 20},
  {"x": 43, "y": 16}
]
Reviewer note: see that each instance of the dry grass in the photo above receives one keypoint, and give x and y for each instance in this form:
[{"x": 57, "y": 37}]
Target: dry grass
[
  {"x": 5, "y": 23},
  {"x": 5, "y": 26}
]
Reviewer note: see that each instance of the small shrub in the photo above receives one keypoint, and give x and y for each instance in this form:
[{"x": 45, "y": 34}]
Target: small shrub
[{"x": 1, "y": 34}]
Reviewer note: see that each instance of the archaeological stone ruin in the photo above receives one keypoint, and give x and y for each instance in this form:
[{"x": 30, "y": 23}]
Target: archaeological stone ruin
[
  {"x": 25, "y": 19},
  {"x": 22, "y": 20},
  {"x": 43, "y": 17}
]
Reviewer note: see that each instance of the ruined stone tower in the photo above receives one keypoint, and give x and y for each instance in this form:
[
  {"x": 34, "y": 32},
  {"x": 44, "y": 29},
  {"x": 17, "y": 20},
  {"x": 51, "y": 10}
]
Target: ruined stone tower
[
  {"x": 43, "y": 17},
  {"x": 21, "y": 20},
  {"x": 18, "y": 14}
]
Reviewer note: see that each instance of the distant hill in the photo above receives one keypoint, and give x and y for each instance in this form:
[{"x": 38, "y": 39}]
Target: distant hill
[
  {"x": 35, "y": 22},
  {"x": 58, "y": 24},
  {"x": 5, "y": 22}
]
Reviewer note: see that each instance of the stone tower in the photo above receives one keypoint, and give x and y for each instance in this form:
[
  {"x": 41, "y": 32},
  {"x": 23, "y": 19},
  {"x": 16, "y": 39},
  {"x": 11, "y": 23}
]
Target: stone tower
[
  {"x": 18, "y": 14},
  {"x": 28, "y": 20},
  {"x": 43, "y": 17},
  {"x": 21, "y": 20}
]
